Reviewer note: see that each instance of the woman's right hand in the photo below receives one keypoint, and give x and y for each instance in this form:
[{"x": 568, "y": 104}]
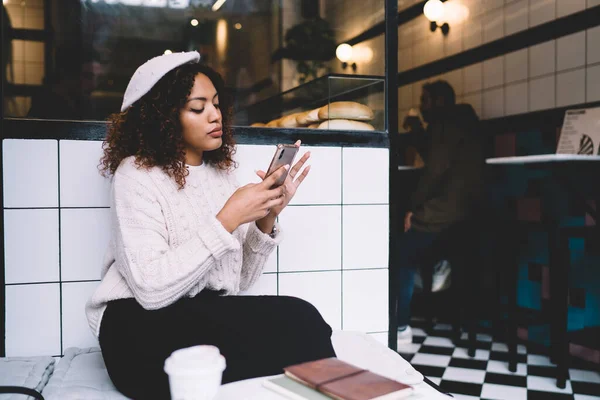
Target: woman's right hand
[{"x": 252, "y": 202}]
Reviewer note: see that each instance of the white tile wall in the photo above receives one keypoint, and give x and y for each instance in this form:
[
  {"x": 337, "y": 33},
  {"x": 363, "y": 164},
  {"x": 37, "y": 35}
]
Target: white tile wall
[
  {"x": 570, "y": 88},
  {"x": 31, "y": 246},
  {"x": 365, "y": 176},
  {"x": 30, "y": 173},
  {"x": 76, "y": 331},
  {"x": 516, "y": 17},
  {"x": 593, "y": 50},
  {"x": 571, "y": 51},
  {"x": 473, "y": 78},
  {"x": 542, "y": 93},
  {"x": 493, "y": 103},
  {"x": 541, "y": 11},
  {"x": 493, "y": 26},
  {"x": 366, "y": 300},
  {"x": 33, "y": 325},
  {"x": 542, "y": 59},
  {"x": 517, "y": 66},
  {"x": 516, "y": 98},
  {"x": 593, "y": 88},
  {"x": 564, "y": 8},
  {"x": 365, "y": 236},
  {"x": 493, "y": 72},
  {"x": 321, "y": 289},
  {"x": 265, "y": 286},
  {"x": 85, "y": 234},
  {"x": 323, "y": 185},
  {"x": 531, "y": 79},
  {"x": 312, "y": 229},
  {"x": 79, "y": 161},
  {"x": 312, "y": 238}
]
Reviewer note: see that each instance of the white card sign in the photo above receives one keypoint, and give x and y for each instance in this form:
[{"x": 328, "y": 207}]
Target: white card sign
[{"x": 580, "y": 132}]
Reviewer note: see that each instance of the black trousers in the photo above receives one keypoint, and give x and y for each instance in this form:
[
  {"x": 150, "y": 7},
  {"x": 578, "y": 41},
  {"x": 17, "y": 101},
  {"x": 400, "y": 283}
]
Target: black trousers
[{"x": 257, "y": 335}]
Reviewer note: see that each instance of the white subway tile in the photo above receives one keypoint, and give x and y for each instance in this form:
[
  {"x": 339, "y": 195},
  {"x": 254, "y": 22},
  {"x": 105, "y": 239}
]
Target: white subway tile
[
  {"x": 541, "y": 11},
  {"x": 542, "y": 59},
  {"x": 516, "y": 17},
  {"x": 473, "y": 78},
  {"x": 517, "y": 66},
  {"x": 493, "y": 103},
  {"x": 76, "y": 330},
  {"x": 593, "y": 86},
  {"x": 366, "y": 300},
  {"x": 313, "y": 236},
  {"x": 365, "y": 175},
  {"x": 365, "y": 236},
  {"x": 517, "y": 98},
  {"x": 493, "y": 72},
  {"x": 405, "y": 96},
  {"x": 266, "y": 285},
  {"x": 493, "y": 26},
  {"x": 85, "y": 234},
  {"x": 30, "y": 173},
  {"x": 564, "y": 8},
  {"x": 473, "y": 34},
  {"x": 81, "y": 184},
  {"x": 323, "y": 185},
  {"x": 31, "y": 245},
  {"x": 542, "y": 93},
  {"x": 570, "y": 88},
  {"x": 571, "y": 51},
  {"x": 32, "y": 320},
  {"x": 593, "y": 49},
  {"x": 322, "y": 289},
  {"x": 456, "y": 79}
]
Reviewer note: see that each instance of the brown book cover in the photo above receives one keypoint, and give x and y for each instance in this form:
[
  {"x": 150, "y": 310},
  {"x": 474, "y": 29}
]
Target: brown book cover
[
  {"x": 340, "y": 380},
  {"x": 317, "y": 373}
]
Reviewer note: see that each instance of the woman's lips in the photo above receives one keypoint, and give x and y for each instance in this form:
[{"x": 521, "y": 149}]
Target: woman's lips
[{"x": 216, "y": 133}]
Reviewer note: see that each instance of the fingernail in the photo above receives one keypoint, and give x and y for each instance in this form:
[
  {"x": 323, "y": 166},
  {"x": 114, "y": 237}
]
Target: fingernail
[{"x": 287, "y": 167}]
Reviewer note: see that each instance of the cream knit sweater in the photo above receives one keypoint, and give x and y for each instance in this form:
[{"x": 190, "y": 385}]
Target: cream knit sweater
[{"x": 167, "y": 243}]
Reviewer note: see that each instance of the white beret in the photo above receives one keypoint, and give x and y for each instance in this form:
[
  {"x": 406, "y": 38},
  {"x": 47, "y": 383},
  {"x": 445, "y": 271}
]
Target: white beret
[{"x": 150, "y": 72}]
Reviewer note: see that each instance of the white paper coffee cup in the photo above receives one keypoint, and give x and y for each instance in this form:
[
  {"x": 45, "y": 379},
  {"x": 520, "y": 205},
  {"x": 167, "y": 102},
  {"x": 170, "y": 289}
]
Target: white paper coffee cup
[{"x": 195, "y": 372}]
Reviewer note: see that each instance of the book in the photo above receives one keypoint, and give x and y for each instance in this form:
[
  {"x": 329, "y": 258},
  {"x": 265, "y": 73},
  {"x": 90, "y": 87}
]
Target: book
[{"x": 332, "y": 378}]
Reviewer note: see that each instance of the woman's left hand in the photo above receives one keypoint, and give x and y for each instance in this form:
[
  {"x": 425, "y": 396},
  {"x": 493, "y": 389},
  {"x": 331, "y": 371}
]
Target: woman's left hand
[{"x": 292, "y": 182}]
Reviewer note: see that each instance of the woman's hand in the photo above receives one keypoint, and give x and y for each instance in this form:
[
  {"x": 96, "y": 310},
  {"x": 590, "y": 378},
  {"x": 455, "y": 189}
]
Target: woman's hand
[
  {"x": 291, "y": 184},
  {"x": 252, "y": 202}
]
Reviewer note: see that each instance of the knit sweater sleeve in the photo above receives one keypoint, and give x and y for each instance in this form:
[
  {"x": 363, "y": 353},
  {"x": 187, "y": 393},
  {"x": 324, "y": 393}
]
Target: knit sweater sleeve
[
  {"x": 156, "y": 273},
  {"x": 257, "y": 248}
]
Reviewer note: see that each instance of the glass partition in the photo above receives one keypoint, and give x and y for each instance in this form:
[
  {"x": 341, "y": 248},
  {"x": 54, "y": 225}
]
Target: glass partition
[{"x": 72, "y": 59}]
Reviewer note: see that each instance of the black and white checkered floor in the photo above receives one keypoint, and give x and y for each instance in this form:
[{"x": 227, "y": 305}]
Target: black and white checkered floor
[{"x": 486, "y": 376}]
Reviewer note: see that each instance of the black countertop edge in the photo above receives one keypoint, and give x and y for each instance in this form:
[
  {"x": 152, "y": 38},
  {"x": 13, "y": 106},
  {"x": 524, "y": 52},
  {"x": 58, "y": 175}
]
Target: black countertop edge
[{"x": 15, "y": 128}]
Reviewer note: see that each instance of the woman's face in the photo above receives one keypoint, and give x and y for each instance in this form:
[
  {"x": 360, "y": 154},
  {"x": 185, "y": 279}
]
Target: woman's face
[{"x": 201, "y": 120}]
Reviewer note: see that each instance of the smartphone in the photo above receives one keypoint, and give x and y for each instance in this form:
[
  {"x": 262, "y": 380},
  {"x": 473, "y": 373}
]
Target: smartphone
[{"x": 284, "y": 155}]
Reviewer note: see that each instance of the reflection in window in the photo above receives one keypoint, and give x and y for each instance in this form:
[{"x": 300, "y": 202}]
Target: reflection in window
[{"x": 72, "y": 59}]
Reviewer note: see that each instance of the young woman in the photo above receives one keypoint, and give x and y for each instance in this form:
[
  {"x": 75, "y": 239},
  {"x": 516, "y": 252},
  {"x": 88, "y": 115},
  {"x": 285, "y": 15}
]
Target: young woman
[{"x": 186, "y": 240}]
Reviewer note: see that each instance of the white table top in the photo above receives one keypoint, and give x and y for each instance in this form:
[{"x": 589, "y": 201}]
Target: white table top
[
  {"x": 542, "y": 158},
  {"x": 253, "y": 389}
]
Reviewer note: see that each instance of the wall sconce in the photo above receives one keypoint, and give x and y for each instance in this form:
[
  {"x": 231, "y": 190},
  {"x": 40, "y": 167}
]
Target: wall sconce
[
  {"x": 344, "y": 53},
  {"x": 434, "y": 12}
]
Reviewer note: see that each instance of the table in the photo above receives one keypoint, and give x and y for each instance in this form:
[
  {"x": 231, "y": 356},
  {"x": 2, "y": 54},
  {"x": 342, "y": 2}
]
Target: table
[
  {"x": 561, "y": 166},
  {"x": 355, "y": 348},
  {"x": 252, "y": 389}
]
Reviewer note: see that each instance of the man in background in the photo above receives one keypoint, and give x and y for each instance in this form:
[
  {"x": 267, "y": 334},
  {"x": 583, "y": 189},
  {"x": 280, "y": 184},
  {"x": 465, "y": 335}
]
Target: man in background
[{"x": 449, "y": 191}]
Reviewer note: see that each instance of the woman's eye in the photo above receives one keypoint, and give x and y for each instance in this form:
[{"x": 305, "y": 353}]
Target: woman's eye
[
  {"x": 197, "y": 111},
  {"x": 217, "y": 106}
]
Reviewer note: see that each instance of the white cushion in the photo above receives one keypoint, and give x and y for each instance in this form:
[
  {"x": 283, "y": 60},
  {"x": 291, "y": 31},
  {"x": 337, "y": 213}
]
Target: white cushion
[{"x": 29, "y": 372}]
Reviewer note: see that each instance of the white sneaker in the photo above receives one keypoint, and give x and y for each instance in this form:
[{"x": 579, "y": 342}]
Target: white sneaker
[
  {"x": 441, "y": 276},
  {"x": 405, "y": 336}
]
